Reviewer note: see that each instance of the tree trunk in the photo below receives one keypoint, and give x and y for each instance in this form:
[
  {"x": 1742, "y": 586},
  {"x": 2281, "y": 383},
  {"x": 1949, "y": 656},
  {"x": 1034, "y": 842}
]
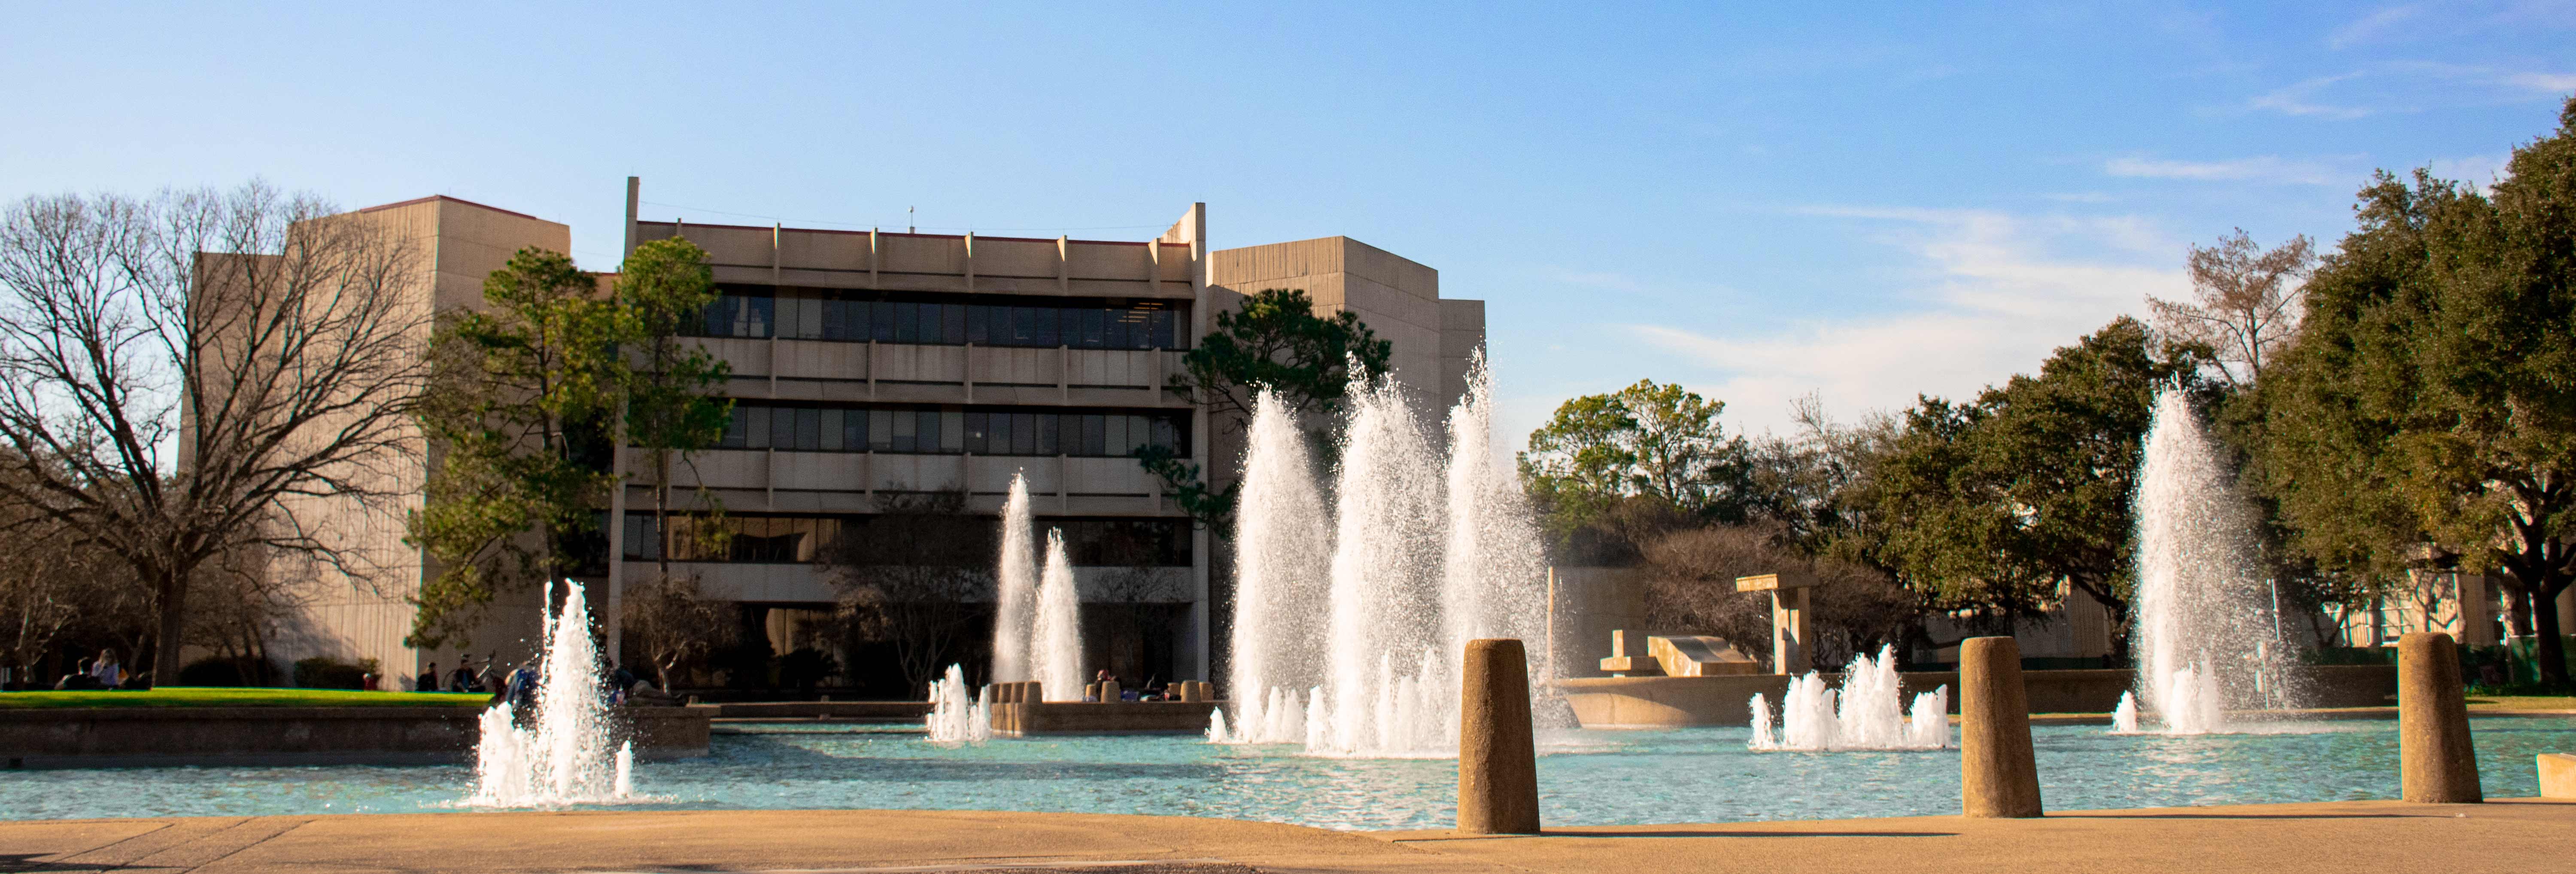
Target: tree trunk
[
  {"x": 174, "y": 622},
  {"x": 2551, "y": 652},
  {"x": 662, "y": 512}
]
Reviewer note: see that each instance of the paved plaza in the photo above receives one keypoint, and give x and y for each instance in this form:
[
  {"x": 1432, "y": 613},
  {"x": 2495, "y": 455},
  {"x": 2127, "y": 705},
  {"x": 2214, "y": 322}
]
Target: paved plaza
[{"x": 2331, "y": 837}]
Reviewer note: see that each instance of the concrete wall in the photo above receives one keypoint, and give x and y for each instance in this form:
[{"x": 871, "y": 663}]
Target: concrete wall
[
  {"x": 1122, "y": 717},
  {"x": 1398, "y": 298},
  {"x": 356, "y": 611},
  {"x": 156, "y": 736},
  {"x": 1591, "y": 602},
  {"x": 1666, "y": 702}
]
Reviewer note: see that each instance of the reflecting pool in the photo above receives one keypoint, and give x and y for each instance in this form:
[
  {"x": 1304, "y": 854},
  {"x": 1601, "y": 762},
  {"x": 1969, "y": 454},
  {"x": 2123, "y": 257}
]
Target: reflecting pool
[{"x": 1590, "y": 778}]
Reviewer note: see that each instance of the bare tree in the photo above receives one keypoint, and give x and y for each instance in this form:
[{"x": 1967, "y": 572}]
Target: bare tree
[
  {"x": 675, "y": 626},
  {"x": 913, "y": 577},
  {"x": 1691, "y": 586},
  {"x": 177, "y": 372},
  {"x": 2247, "y": 302},
  {"x": 50, "y": 591}
]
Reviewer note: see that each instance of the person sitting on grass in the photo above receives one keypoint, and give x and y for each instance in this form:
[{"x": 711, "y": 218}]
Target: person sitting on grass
[
  {"x": 463, "y": 679},
  {"x": 427, "y": 681},
  {"x": 79, "y": 681},
  {"x": 108, "y": 673}
]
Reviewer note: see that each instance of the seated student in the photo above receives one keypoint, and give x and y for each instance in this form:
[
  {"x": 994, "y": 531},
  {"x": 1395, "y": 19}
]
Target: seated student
[
  {"x": 427, "y": 681},
  {"x": 108, "y": 673},
  {"x": 644, "y": 694},
  {"x": 84, "y": 680},
  {"x": 492, "y": 679},
  {"x": 463, "y": 679}
]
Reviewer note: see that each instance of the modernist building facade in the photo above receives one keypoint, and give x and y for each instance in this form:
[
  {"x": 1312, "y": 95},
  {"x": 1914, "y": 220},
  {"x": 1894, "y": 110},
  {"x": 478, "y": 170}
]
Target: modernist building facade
[{"x": 870, "y": 365}]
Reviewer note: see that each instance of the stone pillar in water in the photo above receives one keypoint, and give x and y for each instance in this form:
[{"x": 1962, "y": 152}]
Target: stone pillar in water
[
  {"x": 1998, "y": 775},
  {"x": 1497, "y": 757},
  {"x": 2438, "y": 763}
]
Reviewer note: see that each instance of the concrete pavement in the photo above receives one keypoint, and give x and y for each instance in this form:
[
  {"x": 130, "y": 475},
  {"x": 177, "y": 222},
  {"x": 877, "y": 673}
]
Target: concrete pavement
[{"x": 2519, "y": 835}]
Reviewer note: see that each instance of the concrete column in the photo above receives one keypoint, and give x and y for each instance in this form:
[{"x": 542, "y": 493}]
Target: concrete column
[
  {"x": 1998, "y": 775},
  {"x": 1497, "y": 756},
  {"x": 2438, "y": 764}
]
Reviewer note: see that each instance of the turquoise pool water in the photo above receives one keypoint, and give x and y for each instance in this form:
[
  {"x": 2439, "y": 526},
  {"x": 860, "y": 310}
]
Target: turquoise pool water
[{"x": 1596, "y": 777}]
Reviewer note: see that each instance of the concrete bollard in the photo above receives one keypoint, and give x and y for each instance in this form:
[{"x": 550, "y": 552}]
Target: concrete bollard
[
  {"x": 1207, "y": 690},
  {"x": 1109, "y": 690},
  {"x": 1998, "y": 775},
  {"x": 2437, "y": 763},
  {"x": 1190, "y": 692},
  {"x": 1497, "y": 756}
]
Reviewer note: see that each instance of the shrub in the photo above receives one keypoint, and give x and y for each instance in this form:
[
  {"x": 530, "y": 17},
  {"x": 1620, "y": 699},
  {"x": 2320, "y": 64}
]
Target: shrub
[
  {"x": 223, "y": 671},
  {"x": 325, "y": 672}
]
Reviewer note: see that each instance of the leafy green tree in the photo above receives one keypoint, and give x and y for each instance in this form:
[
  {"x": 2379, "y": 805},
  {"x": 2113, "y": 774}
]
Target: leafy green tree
[
  {"x": 1273, "y": 341},
  {"x": 2431, "y": 395},
  {"x": 669, "y": 383},
  {"x": 1276, "y": 341},
  {"x": 1660, "y": 443},
  {"x": 519, "y": 392},
  {"x": 1993, "y": 506}
]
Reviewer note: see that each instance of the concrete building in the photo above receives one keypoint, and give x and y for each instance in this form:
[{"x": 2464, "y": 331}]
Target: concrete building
[{"x": 868, "y": 365}]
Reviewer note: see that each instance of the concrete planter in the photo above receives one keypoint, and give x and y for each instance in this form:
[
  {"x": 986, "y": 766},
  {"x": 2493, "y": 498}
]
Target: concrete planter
[
  {"x": 117, "y": 737},
  {"x": 1117, "y": 717}
]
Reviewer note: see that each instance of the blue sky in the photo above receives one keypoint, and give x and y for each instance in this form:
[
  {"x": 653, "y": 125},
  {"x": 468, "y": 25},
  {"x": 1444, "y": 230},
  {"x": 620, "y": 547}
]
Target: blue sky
[{"x": 1884, "y": 200}]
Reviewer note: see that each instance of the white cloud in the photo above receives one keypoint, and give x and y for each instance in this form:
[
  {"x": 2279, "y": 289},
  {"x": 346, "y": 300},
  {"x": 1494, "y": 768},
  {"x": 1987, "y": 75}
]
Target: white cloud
[
  {"x": 2267, "y": 168},
  {"x": 2483, "y": 171},
  {"x": 2299, "y": 99},
  {"x": 2000, "y": 293},
  {"x": 2547, "y": 83},
  {"x": 2369, "y": 28}
]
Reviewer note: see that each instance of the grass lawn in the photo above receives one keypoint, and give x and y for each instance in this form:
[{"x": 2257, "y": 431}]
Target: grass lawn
[
  {"x": 2522, "y": 702},
  {"x": 210, "y": 696}
]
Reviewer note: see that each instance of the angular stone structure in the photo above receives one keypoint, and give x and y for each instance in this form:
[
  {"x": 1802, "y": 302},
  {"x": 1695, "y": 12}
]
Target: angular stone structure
[
  {"x": 1630, "y": 655},
  {"x": 1497, "y": 753},
  {"x": 2558, "y": 776},
  {"x": 1998, "y": 774},
  {"x": 1791, "y": 643},
  {"x": 2437, "y": 762}
]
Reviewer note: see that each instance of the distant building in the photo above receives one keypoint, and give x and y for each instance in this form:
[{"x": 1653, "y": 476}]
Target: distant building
[{"x": 867, "y": 363}]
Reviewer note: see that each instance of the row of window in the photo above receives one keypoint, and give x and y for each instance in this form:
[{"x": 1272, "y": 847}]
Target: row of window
[
  {"x": 971, "y": 541},
  {"x": 738, "y": 315},
  {"x": 948, "y": 431}
]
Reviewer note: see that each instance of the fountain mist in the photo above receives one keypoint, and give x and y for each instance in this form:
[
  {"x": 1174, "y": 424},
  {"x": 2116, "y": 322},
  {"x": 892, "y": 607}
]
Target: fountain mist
[
  {"x": 1015, "y": 584},
  {"x": 2206, "y": 637},
  {"x": 956, "y": 716},
  {"x": 1864, "y": 715},
  {"x": 1056, "y": 651}
]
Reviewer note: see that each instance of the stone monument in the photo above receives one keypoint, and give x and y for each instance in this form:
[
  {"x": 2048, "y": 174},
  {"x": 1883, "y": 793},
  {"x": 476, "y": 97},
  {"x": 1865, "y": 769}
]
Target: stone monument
[{"x": 1790, "y": 641}]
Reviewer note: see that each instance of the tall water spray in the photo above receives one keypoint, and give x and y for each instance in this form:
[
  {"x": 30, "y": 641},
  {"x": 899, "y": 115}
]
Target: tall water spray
[
  {"x": 2207, "y": 639},
  {"x": 563, "y": 756},
  {"x": 1488, "y": 563},
  {"x": 1386, "y": 546},
  {"x": 1015, "y": 581},
  {"x": 1427, "y": 549},
  {"x": 1056, "y": 649},
  {"x": 1282, "y": 540}
]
